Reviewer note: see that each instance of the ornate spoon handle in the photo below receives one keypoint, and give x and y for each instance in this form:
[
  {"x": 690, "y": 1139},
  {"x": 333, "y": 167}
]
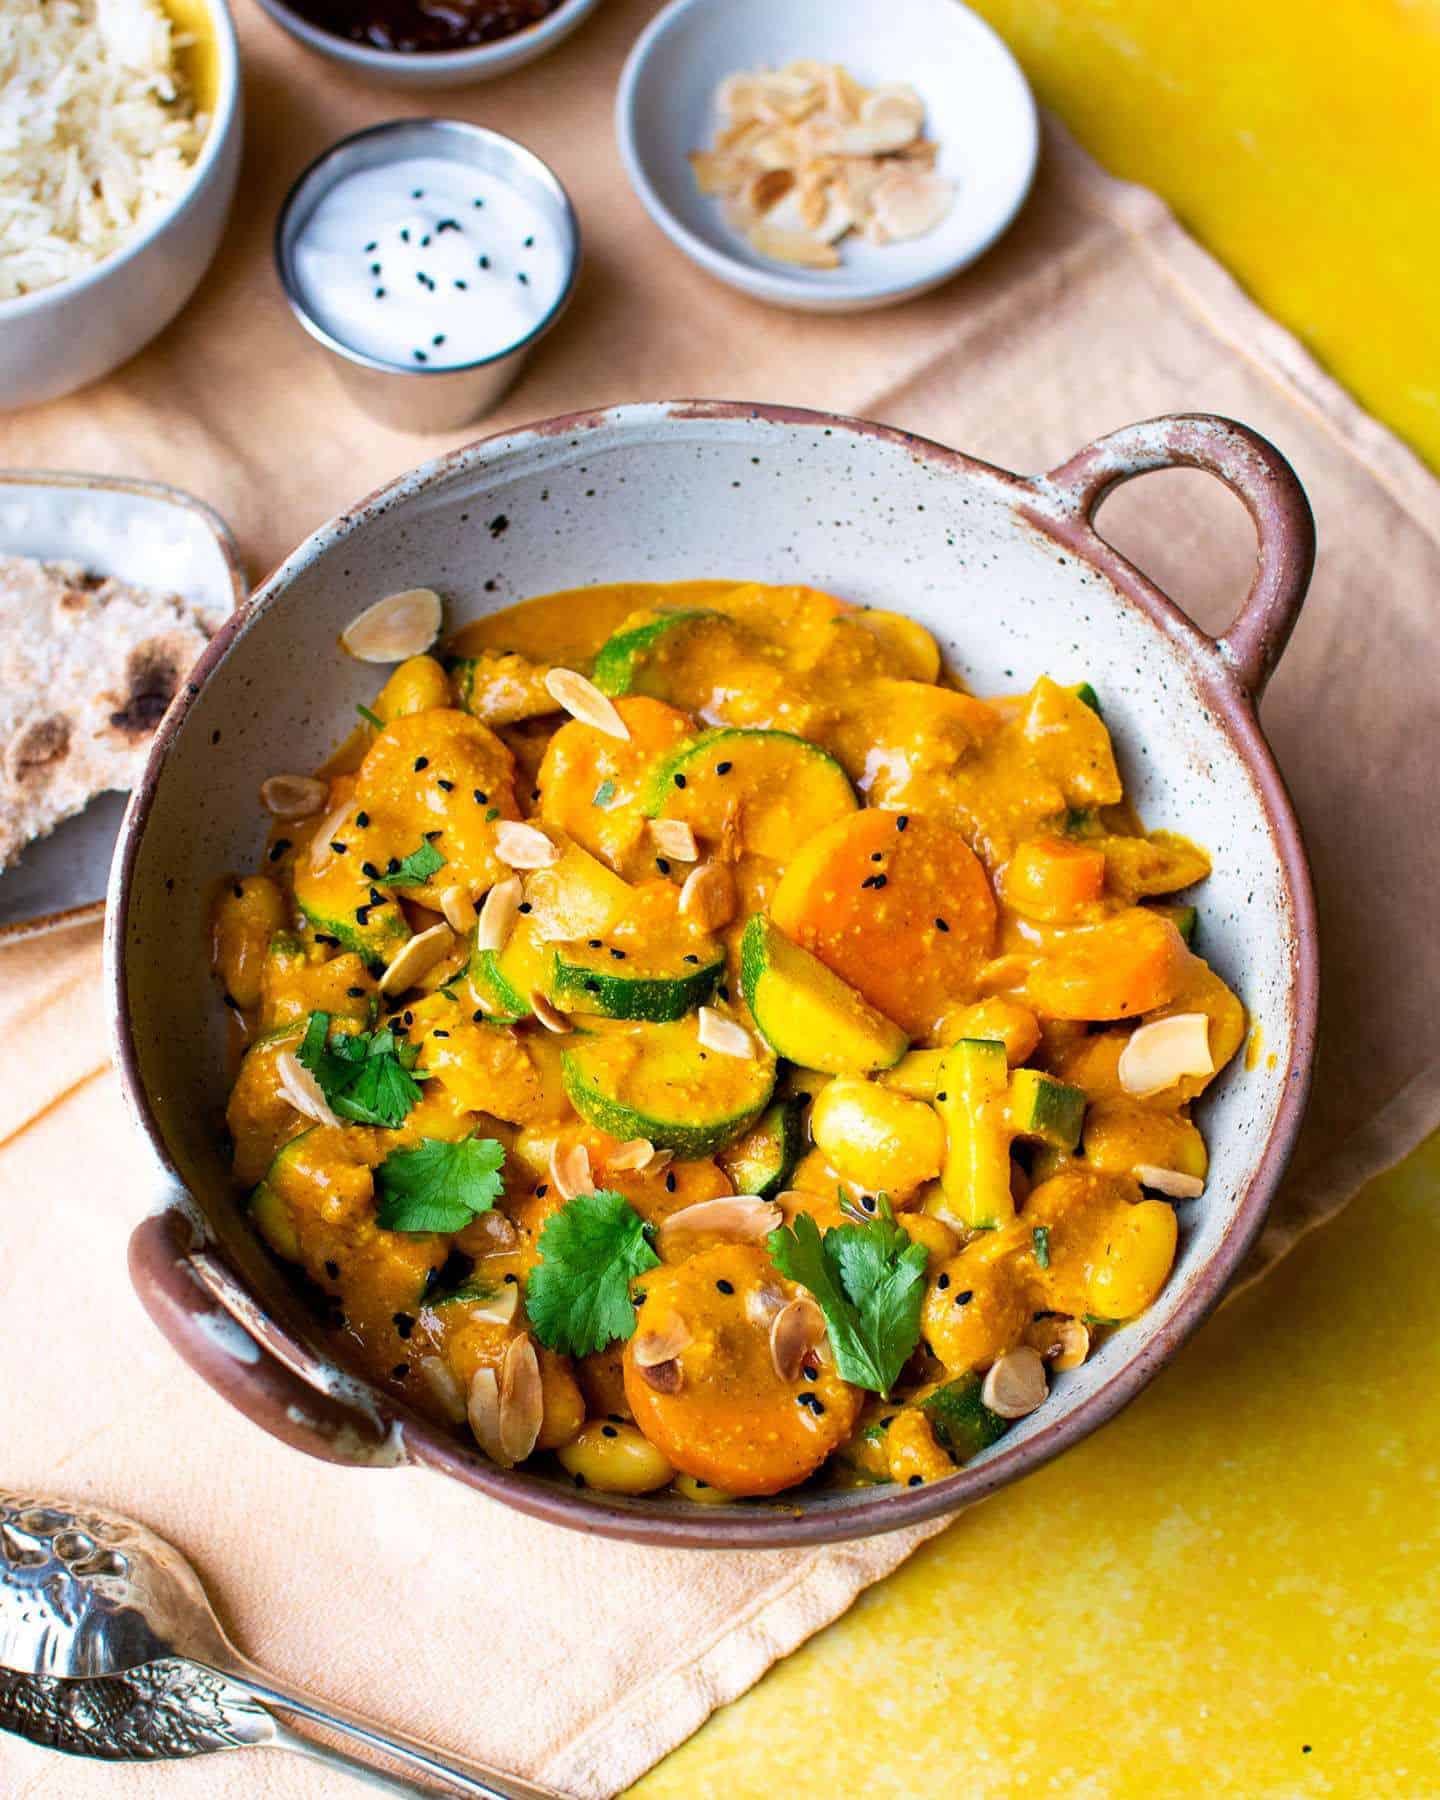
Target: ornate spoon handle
[{"x": 457, "y": 1775}]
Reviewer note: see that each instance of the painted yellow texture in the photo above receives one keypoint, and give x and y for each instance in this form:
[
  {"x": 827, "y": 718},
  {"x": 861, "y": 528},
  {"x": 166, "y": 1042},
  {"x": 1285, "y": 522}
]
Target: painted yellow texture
[{"x": 1248, "y": 1561}]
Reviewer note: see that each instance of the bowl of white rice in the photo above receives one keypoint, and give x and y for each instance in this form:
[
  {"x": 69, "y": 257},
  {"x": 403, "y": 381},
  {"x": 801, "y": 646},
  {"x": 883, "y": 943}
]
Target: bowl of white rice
[{"x": 120, "y": 126}]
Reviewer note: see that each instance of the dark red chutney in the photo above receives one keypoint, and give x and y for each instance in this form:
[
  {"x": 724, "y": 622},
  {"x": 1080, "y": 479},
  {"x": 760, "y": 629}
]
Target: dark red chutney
[{"x": 424, "y": 25}]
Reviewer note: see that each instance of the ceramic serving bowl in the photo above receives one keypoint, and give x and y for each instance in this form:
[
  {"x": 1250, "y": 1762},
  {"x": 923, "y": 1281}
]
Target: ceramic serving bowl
[
  {"x": 63, "y": 337},
  {"x": 438, "y": 68},
  {"x": 1007, "y": 572},
  {"x": 978, "y": 109}
]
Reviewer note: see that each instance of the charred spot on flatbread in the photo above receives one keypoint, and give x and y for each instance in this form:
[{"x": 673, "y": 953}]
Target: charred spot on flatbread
[
  {"x": 34, "y": 753},
  {"x": 152, "y": 674}
]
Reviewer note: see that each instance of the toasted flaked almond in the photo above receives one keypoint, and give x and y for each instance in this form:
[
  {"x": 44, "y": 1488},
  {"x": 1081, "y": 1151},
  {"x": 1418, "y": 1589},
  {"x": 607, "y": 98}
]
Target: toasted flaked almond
[
  {"x": 718, "y": 171},
  {"x": 399, "y": 626},
  {"x": 300, "y": 1088},
  {"x": 522, "y": 1399},
  {"x": 1171, "y": 1182},
  {"x": 910, "y": 202},
  {"x": 522, "y": 846},
  {"x": 292, "y": 796},
  {"x": 658, "y": 1344},
  {"x": 444, "y": 1384},
  {"x": 743, "y": 1218},
  {"x": 660, "y": 1161},
  {"x": 1063, "y": 1343},
  {"x": 768, "y": 188},
  {"x": 1016, "y": 1383},
  {"x": 674, "y": 838},
  {"x": 326, "y": 834},
  {"x": 584, "y": 701},
  {"x": 637, "y": 1153},
  {"x": 723, "y": 1035},
  {"x": 1158, "y": 1055},
  {"x": 665, "y": 1377},
  {"x": 549, "y": 1015},
  {"x": 763, "y": 1302},
  {"x": 414, "y": 958},
  {"x": 792, "y": 247},
  {"x": 872, "y": 137},
  {"x": 498, "y": 914},
  {"x": 570, "y": 1170},
  {"x": 794, "y": 1332},
  {"x": 458, "y": 908},
  {"x": 482, "y": 1408},
  {"x": 844, "y": 95},
  {"x": 897, "y": 106},
  {"x": 708, "y": 897},
  {"x": 499, "y": 1309}
]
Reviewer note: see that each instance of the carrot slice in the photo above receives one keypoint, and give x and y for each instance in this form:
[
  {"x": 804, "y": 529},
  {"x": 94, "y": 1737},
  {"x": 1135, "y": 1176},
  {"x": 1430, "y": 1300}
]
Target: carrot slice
[
  {"x": 1130, "y": 964},
  {"x": 896, "y": 904},
  {"x": 1053, "y": 878}
]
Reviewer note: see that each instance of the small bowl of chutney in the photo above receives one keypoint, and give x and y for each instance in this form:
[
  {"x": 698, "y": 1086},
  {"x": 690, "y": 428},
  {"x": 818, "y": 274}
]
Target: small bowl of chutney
[{"x": 429, "y": 43}]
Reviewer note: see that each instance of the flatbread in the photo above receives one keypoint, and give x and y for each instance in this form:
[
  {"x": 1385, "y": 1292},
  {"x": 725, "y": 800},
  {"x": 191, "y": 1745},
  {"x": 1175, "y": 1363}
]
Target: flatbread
[{"x": 88, "y": 666}]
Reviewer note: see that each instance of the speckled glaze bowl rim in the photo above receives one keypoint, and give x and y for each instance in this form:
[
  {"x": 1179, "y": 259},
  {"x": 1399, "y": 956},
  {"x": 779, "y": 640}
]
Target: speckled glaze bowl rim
[{"x": 181, "y": 1280}]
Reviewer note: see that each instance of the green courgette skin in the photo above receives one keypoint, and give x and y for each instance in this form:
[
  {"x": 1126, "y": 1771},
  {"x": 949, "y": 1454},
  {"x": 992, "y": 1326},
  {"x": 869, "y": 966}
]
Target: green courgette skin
[
  {"x": 697, "y": 1134},
  {"x": 960, "y": 1419},
  {"x": 712, "y": 744},
  {"x": 623, "y": 659},
  {"x": 504, "y": 1005},
  {"x": 586, "y": 987},
  {"x": 376, "y": 937},
  {"x": 778, "y": 1139}
]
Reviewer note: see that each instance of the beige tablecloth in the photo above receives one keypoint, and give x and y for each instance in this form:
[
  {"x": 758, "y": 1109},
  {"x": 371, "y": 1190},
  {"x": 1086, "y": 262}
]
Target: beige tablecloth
[{"x": 578, "y": 1661}]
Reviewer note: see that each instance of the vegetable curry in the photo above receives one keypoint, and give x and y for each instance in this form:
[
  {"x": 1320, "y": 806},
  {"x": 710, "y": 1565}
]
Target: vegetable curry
[{"x": 686, "y": 1036}]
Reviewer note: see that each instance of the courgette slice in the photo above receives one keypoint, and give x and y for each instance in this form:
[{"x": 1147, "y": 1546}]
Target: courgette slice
[
  {"x": 1046, "y": 1109},
  {"x": 499, "y": 687},
  {"x": 1069, "y": 742},
  {"x": 971, "y": 1101},
  {"x": 961, "y": 1420},
  {"x": 783, "y": 788},
  {"x": 374, "y": 930},
  {"x": 269, "y": 1211},
  {"x": 504, "y": 980},
  {"x": 632, "y": 660},
  {"x": 917, "y": 1074},
  {"x": 665, "y": 983},
  {"x": 806, "y": 1013},
  {"x": 763, "y": 1161},
  {"x": 1185, "y": 919},
  {"x": 660, "y": 1082}
]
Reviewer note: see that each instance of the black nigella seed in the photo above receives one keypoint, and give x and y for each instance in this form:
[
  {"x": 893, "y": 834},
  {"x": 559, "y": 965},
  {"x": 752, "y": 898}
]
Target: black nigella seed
[
  {"x": 608, "y": 1431},
  {"x": 332, "y": 1269},
  {"x": 513, "y": 1280},
  {"x": 723, "y": 991},
  {"x": 542, "y": 1190},
  {"x": 662, "y": 865},
  {"x": 420, "y": 356},
  {"x": 439, "y": 1033},
  {"x": 723, "y": 768},
  {"x": 368, "y": 868},
  {"x": 940, "y": 925},
  {"x": 813, "y": 1401},
  {"x": 362, "y": 819},
  {"x": 810, "y": 1374},
  {"x": 619, "y": 955},
  {"x": 447, "y": 786},
  {"x": 680, "y": 781},
  {"x": 278, "y": 848},
  {"x": 879, "y": 881},
  {"x": 404, "y": 1324},
  {"x": 670, "y": 1181},
  {"x": 914, "y": 1481},
  {"x": 481, "y": 797},
  {"x": 356, "y": 993},
  {"x": 726, "y": 1287},
  {"x": 362, "y": 915},
  {"x": 942, "y": 1097},
  {"x": 902, "y": 821},
  {"x": 525, "y": 907},
  {"x": 594, "y": 943},
  {"x": 965, "y": 1296},
  {"x": 422, "y": 762},
  {"x": 690, "y": 957},
  {"x": 376, "y": 898},
  {"x": 877, "y": 856},
  {"x": 478, "y": 1015},
  {"x": 337, "y": 846},
  {"x": 942, "y": 1282},
  {"x": 591, "y": 987},
  {"x": 408, "y": 1017},
  {"x": 868, "y": 1202},
  {"x": 392, "y": 865},
  {"x": 324, "y": 937},
  {"x": 400, "y": 1371}
]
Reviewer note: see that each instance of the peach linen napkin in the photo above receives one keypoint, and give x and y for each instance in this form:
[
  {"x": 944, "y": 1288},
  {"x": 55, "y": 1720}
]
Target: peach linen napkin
[{"x": 577, "y": 1661}]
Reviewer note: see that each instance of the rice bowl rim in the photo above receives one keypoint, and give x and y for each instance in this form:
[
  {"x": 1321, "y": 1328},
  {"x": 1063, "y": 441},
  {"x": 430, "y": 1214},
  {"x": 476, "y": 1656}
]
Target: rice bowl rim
[{"x": 227, "y": 100}]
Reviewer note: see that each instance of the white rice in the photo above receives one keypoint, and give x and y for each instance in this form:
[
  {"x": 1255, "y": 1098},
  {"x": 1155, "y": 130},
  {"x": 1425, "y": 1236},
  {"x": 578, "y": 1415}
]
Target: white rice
[{"x": 96, "y": 134}]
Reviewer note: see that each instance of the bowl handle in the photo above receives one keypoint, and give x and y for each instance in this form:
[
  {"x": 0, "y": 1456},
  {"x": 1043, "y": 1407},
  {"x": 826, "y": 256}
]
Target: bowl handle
[
  {"x": 208, "y": 1318},
  {"x": 1251, "y": 467}
]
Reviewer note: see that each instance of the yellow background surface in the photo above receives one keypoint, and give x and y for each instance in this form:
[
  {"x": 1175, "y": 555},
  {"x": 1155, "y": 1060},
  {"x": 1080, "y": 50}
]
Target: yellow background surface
[{"x": 1247, "y": 1562}]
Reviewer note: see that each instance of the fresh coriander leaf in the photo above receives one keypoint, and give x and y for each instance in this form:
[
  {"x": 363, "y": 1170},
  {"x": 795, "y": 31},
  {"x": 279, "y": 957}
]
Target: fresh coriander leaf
[
  {"x": 416, "y": 868},
  {"x": 869, "y": 1281},
  {"x": 491, "y": 812},
  {"x": 1040, "y": 1239},
  {"x": 366, "y": 1076},
  {"x": 578, "y": 1295},
  {"x": 371, "y": 718},
  {"x": 437, "y": 1185},
  {"x": 603, "y": 794}
]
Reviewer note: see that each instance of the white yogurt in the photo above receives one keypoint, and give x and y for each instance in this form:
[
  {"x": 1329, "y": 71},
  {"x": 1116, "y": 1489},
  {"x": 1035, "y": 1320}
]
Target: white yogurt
[{"x": 427, "y": 263}]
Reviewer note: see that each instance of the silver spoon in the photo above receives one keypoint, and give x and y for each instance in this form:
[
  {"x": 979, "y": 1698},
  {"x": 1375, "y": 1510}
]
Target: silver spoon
[{"x": 109, "y": 1647}]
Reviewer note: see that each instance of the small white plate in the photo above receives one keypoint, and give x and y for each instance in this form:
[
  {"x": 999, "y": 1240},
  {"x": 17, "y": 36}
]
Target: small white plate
[
  {"x": 979, "y": 109},
  {"x": 137, "y": 531}
]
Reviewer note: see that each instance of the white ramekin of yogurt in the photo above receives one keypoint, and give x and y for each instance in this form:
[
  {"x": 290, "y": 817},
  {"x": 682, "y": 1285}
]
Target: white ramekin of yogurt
[{"x": 430, "y": 257}]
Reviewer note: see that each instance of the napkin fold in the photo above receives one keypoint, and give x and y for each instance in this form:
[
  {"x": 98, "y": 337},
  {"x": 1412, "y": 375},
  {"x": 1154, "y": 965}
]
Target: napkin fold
[{"x": 577, "y": 1661}]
